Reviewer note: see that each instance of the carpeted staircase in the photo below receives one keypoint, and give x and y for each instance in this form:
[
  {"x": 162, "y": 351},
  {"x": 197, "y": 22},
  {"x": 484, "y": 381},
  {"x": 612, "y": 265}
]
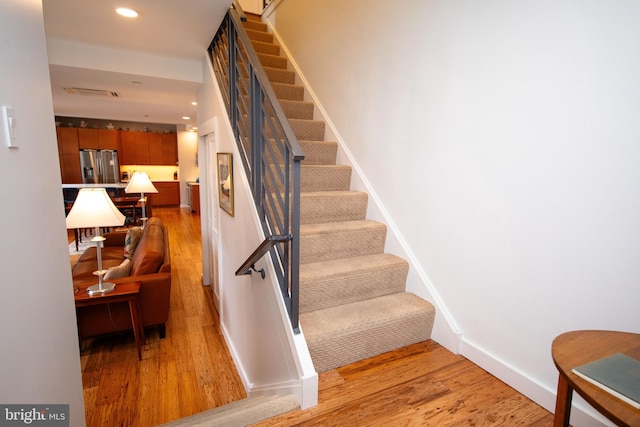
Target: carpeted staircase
[{"x": 353, "y": 303}]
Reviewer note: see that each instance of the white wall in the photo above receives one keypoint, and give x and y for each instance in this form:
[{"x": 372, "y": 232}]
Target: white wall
[
  {"x": 251, "y": 6},
  {"x": 39, "y": 361},
  {"x": 502, "y": 138},
  {"x": 253, "y": 317},
  {"x": 187, "y": 152}
]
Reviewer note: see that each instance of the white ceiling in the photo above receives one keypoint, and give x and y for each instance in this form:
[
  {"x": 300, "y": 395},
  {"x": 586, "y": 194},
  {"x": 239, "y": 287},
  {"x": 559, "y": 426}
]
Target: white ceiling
[{"x": 154, "y": 62}]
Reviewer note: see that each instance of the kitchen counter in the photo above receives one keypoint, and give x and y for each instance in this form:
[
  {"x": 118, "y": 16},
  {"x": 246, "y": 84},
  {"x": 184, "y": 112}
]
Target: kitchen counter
[{"x": 109, "y": 185}]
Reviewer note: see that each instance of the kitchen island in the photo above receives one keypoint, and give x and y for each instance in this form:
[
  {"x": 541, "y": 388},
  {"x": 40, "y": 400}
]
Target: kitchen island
[{"x": 117, "y": 185}]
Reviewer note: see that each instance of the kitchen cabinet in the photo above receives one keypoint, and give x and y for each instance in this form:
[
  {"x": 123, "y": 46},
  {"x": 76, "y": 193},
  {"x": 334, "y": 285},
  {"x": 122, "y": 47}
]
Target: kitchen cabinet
[
  {"x": 70, "y": 168},
  {"x": 88, "y": 138},
  {"x": 168, "y": 194},
  {"x": 68, "y": 155},
  {"x": 108, "y": 139},
  {"x": 169, "y": 149},
  {"x": 195, "y": 197},
  {"x": 134, "y": 148},
  {"x": 142, "y": 148},
  {"x": 163, "y": 149},
  {"x": 127, "y": 148},
  {"x": 148, "y": 148},
  {"x": 155, "y": 149},
  {"x": 67, "y": 140},
  {"x": 98, "y": 139}
]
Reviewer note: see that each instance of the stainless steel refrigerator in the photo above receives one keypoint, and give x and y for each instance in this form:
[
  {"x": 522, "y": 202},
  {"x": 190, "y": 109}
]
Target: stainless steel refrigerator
[{"x": 99, "y": 166}]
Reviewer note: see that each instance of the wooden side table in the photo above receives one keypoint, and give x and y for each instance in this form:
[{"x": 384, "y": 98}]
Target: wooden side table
[
  {"x": 577, "y": 348},
  {"x": 129, "y": 292}
]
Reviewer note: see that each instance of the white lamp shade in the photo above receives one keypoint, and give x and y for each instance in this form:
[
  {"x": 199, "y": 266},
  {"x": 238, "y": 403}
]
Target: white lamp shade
[
  {"x": 140, "y": 183},
  {"x": 93, "y": 208}
]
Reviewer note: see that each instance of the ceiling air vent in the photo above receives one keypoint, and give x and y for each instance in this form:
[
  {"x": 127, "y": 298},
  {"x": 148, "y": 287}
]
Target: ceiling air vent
[{"x": 91, "y": 92}]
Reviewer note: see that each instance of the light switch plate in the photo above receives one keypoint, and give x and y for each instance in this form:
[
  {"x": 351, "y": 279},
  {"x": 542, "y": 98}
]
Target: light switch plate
[{"x": 8, "y": 126}]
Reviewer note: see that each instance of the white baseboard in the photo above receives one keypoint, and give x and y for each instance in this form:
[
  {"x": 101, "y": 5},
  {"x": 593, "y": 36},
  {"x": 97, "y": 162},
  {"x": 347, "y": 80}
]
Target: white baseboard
[{"x": 582, "y": 414}]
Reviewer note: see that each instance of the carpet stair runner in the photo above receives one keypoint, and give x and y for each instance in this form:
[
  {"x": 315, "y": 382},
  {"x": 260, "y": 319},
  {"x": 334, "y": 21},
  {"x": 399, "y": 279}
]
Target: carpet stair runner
[{"x": 353, "y": 303}]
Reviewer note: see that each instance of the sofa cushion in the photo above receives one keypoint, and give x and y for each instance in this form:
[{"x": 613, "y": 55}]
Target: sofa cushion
[
  {"x": 131, "y": 241},
  {"x": 149, "y": 254},
  {"x": 83, "y": 270},
  {"x": 119, "y": 271}
]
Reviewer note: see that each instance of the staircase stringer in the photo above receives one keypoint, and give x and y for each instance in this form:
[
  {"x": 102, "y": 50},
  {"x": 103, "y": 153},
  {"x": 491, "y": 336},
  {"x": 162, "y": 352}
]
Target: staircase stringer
[{"x": 446, "y": 330}]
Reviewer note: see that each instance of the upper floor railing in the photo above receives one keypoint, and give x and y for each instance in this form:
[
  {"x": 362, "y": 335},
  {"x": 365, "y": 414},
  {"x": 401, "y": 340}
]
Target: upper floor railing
[{"x": 270, "y": 152}]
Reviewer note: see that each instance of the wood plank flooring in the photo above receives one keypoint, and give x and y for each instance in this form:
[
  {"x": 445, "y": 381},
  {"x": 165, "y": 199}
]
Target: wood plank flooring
[
  {"x": 188, "y": 372},
  {"x": 191, "y": 371},
  {"x": 420, "y": 385}
]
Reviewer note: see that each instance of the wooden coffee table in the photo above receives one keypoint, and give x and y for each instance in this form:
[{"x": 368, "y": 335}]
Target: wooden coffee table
[
  {"x": 129, "y": 292},
  {"x": 576, "y": 348}
]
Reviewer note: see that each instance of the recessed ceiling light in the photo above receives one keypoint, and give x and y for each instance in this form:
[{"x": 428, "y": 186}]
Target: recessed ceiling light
[
  {"x": 126, "y": 12},
  {"x": 186, "y": 118},
  {"x": 194, "y": 103}
]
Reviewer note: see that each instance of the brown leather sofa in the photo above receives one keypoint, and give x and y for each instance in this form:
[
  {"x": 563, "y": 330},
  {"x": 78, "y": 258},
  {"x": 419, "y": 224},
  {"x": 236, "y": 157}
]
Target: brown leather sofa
[{"x": 150, "y": 265}]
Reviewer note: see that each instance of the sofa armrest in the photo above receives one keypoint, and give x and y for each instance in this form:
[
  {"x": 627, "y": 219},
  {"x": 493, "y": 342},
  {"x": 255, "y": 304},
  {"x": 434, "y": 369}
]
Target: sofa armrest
[
  {"x": 155, "y": 291},
  {"x": 115, "y": 238}
]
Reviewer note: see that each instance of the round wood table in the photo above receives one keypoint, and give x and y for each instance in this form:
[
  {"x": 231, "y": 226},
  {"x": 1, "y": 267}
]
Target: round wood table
[{"x": 576, "y": 348}]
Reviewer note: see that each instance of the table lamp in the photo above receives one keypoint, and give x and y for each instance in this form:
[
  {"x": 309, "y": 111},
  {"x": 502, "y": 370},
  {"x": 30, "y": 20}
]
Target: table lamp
[
  {"x": 140, "y": 183},
  {"x": 93, "y": 208}
]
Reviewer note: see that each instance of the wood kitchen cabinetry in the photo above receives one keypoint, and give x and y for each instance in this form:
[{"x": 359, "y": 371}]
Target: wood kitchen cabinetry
[
  {"x": 148, "y": 148},
  {"x": 134, "y": 148},
  {"x": 68, "y": 149},
  {"x": 88, "y": 138},
  {"x": 168, "y": 194},
  {"x": 169, "y": 149},
  {"x": 195, "y": 197},
  {"x": 142, "y": 148},
  {"x": 127, "y": 149},
  {"x": 163, "y": 149},
  {"x": 98, "y": 139},
  {"x": 155, "y": 149}
]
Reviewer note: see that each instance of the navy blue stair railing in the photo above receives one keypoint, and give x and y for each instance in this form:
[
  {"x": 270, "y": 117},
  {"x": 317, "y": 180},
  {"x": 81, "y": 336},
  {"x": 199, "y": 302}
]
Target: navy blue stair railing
[{"x": 270, "y": 153}]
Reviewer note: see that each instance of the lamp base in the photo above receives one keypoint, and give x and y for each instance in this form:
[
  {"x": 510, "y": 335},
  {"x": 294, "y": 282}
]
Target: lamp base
[{"x": 101, "y": 290}]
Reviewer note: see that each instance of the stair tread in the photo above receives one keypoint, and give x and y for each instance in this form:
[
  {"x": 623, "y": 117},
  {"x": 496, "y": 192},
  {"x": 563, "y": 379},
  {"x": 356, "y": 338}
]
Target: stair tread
[
  {"x": 335, "y": 193},
  {"x": 337, "y": 267},
  {"x": 340, "y": 281},
  {"x": 342, "y": 239},
  {"x": 336, "y": 167},
  {"x": 255, "y": 35},
  {"x": 288, "y": 86},
  {"x": 361, "y": 315},
  {"x": 332, "y": 206},
  {"x": 339, "y": 226},
  {"x": 347, "y": 333},
  {"x": 265, "y": 47}
]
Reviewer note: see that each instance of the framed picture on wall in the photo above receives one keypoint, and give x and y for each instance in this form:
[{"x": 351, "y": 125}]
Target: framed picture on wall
[{"x": 225, "y": 182}]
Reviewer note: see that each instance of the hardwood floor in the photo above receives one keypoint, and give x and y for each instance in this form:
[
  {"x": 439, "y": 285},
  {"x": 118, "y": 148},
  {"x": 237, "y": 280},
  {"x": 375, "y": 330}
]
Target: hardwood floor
[
  {"x": 188, "y": 372},
  {"x": 191, "y": 371},
  {"x": 419, "y": 385}
]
